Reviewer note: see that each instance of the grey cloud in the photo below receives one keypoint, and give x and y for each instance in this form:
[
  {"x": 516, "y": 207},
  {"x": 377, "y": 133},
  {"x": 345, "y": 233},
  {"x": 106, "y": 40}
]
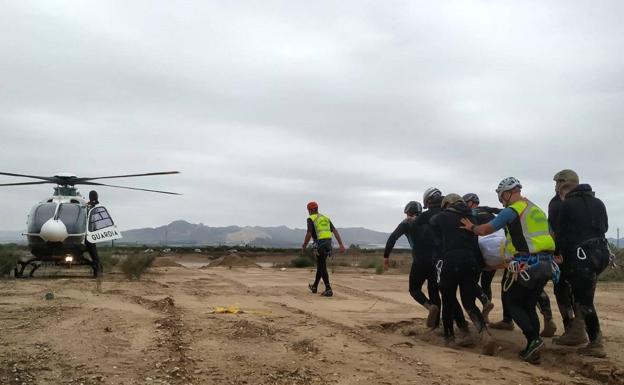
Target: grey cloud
[{"x": 263, "y": 106}]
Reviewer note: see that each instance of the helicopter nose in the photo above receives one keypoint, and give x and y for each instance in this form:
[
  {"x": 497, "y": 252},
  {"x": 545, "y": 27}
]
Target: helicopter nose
[{"x": 53, "y": 231}]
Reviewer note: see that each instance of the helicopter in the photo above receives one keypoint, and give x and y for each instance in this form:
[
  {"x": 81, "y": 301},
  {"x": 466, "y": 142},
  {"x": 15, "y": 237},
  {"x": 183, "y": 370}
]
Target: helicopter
[{"x": 59, "y": 227}]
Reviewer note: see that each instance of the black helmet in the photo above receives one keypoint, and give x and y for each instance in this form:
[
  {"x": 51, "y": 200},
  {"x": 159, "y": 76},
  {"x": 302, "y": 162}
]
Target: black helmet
[
  {"x": 431, "y": 192},
  {"x": 93, "y": 196},
  {"x": 471, "y": 197},
  {"x": 413, "y": 208}
]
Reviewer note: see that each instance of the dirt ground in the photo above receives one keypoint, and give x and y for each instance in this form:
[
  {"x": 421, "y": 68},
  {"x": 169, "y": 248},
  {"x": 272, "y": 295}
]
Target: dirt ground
[{"x": 163, "y": 329}]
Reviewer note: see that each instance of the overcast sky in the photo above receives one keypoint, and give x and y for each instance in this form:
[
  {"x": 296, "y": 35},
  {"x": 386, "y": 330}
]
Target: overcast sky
[{"x": 265, "y": 105}]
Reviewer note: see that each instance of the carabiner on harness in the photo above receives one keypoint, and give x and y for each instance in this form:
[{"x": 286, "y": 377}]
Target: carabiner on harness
[
  {"x": 556, "y": 271},
  {"x": 611, "y": 257},
  {"x": 439, "y": 265},
  {"x": 580, "y": 251}
]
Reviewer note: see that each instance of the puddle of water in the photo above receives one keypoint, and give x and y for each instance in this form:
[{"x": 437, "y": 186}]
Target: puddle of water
[
  {"x": 192, "y": 265},
  {"x": 265, "y": 264},
  {"x": 197, "y": 265}
]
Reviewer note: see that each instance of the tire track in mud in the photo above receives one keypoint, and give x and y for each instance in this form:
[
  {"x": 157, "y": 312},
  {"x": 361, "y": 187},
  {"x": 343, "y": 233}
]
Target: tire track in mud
[
  {"x": 174, "y": 337},
  {"x": 576, "y": 369},
  {"x": 364, "y": 337},
  {"x": 364, "y": 294},
  {"x": 233, "y": 365},
  {"x": 601, "y": 371},
  {"x": 354, "y": 333}
]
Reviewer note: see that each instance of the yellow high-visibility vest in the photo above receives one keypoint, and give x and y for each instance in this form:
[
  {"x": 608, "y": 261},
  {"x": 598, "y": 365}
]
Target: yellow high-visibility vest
[
  {"x": 322, "y": 225},
  {"x": 529, "y": 233}
]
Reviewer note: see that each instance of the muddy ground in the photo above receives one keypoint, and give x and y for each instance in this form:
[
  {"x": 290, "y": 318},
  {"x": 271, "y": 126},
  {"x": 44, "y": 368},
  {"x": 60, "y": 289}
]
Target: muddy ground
[{"x": 163, "y": 330}]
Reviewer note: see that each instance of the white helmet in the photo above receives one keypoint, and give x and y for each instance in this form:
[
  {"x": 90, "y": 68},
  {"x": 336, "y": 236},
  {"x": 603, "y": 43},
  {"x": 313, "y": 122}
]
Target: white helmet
[
  {"x": 430, "y": 193},
  {"x": 507, "y": 184}
]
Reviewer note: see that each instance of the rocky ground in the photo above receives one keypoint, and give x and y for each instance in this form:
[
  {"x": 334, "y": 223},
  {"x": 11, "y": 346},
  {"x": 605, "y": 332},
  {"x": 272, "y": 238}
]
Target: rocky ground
[{"x": 168, "y": 329}]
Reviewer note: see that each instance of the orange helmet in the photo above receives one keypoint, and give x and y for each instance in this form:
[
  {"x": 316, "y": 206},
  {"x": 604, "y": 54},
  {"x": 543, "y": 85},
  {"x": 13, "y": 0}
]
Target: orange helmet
[{"x": 312, "y": 205}]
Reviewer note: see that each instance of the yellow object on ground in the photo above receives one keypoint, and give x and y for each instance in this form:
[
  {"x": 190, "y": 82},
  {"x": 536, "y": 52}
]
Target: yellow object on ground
[{"x": 227, "y": 310}]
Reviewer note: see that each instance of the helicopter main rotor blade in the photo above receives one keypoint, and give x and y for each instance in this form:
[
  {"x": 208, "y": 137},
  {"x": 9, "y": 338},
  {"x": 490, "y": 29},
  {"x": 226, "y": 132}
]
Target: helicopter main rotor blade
[
  {"x": 80, "y": 180},
  {"x": 22, "y": 183},
  {"x": 129, "y": 188},
  {"x": 28, "y": 176}
]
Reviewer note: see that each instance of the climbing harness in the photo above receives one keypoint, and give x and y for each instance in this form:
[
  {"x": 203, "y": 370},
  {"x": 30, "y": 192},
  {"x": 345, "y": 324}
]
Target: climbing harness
[{"x": 521, "y": 265}]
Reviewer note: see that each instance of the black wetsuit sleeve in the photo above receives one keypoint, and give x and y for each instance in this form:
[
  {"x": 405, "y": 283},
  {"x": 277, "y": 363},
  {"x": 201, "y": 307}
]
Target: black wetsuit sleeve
[
  {"x": 491, "y": 210},
  {"x": 401, "y": 229},
  {"x": 331, "y": 226}
]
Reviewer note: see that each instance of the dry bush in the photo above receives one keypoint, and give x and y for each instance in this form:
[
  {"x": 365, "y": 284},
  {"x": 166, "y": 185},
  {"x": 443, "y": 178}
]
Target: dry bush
[
  {"x": 9, "y": 255},
  {"x": 305, "y": 346},
  {"x": 133, "y": 266}
]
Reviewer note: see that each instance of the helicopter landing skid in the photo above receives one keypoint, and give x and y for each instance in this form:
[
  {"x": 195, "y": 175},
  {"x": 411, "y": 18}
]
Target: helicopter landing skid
[{"x": 19, "y": 270}]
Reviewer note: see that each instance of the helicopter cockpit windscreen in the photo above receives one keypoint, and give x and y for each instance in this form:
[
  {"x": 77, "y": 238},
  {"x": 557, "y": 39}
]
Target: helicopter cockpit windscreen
[
  {"x": 74, "y": 217},
  {"x": 40, "y": 215},
  {"x": 99, "y": 219}
]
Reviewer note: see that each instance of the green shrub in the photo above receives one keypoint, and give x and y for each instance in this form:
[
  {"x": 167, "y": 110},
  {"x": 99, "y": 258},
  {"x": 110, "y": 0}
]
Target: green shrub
[
  {"x": 616, "y": 274},
  {"x": 133, "y": 266},
  {"x": 8, "y": 261},
  {"x": 9, "y": 256},
  {"x": 369, "y": 263},
  {"x": 108, "y": 260},
  {"x": 379, "y": 268},
  {"x": 302, "y": 261}
]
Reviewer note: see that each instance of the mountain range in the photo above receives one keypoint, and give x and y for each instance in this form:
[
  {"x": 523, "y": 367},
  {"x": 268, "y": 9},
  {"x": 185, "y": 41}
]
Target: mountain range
[{"x": 183, "y": 233}]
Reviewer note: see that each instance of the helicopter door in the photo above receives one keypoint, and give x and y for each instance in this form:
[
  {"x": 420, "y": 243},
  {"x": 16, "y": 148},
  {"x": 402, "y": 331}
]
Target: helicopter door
[{"x": 101, "y": 226}]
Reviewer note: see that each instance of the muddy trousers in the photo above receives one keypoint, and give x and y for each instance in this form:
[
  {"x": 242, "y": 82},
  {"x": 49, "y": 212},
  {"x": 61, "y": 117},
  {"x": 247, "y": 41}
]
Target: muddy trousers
[
  {"x": 460, "y": 270},
  {"x": 521, "y": 304},
  {"x": 565, "y": 302},
  {"x": 582, "y": 277},
  {"x": 422, "y": 270},
  {"x": 323, "y": 253},
  {"x": 543, "y": 303}
]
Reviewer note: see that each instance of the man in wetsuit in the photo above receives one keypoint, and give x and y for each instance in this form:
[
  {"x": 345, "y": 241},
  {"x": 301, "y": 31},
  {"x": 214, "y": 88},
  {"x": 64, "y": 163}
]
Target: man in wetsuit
[
  {"x": 582, "y": 224},
  {"x": 459, "y": 268},
  {"x": 483, "y": 214},
  {"x": 429, "y": 251},
  {"x": 574, "y": 327},
  {"x": 531, "y": 248},
  {"x": 422, "y": 267},
  {"x": 320, "y": 229},
  {"x": 91, "y": 247}
]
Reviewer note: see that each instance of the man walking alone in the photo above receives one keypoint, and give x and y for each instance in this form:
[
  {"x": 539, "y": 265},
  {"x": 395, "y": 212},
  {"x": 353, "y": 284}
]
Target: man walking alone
[{"x": 320, "y": 229}]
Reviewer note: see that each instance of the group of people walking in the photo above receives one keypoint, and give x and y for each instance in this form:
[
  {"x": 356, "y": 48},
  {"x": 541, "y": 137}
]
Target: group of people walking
[{"x": 567, "y": 246}]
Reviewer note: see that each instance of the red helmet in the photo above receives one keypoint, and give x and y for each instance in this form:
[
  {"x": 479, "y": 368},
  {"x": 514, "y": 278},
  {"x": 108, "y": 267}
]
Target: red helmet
[{"x": 312, "y": 205}]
